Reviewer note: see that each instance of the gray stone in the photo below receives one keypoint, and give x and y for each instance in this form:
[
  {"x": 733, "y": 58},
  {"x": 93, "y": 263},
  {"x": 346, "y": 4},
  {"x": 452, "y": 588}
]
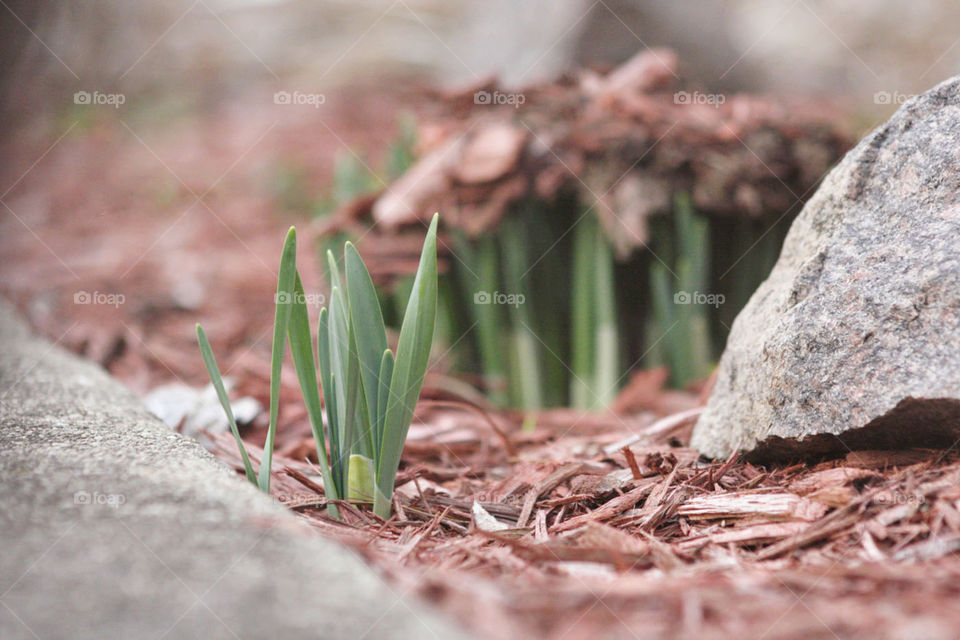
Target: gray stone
[
  {"x": 112, "y": 526},
  {"x": 854, "y": 339}
]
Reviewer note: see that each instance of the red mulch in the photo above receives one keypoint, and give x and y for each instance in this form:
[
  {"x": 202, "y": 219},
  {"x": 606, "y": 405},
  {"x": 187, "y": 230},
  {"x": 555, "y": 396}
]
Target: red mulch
[
  {"x": 864, "y": 546},
  {"x": 593, "y": 544}
]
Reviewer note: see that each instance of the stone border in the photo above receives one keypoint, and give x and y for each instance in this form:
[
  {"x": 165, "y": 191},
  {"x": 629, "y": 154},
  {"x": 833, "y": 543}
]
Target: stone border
[{"x": 113, "y": 526}]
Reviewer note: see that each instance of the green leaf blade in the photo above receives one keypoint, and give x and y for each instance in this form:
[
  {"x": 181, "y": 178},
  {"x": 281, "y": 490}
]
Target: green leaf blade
[
  {"x": 413, "y": 351},
  {"x": 301, "y": 348},
  {"x": 370, "y": 334},
  {"x": 383, "y": 394},
  {"x": 217, "y": 381},
  {"x": 333, "y": 271},
  {"x": 340, "y": 377},
  {"x": 329, "y": 396},
  {"x": 284, "y": 300}
]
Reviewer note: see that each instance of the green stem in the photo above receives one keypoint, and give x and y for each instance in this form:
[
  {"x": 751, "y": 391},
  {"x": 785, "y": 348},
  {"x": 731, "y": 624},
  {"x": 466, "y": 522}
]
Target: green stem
[
  {"x": 607, "y": 364},
  {"x": 583, "y": 315},
  {"x": 525, "y": 373},
  {"x": 691, "y": 358},
  {"x": 596, "y": 340},
  {"x": 490, "y": 321}
]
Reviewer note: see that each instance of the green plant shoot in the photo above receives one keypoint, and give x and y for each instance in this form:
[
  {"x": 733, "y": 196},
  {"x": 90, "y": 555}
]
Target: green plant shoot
[
  {"x": 283, "y": 301},
  {"x": 370, "y": 393}
]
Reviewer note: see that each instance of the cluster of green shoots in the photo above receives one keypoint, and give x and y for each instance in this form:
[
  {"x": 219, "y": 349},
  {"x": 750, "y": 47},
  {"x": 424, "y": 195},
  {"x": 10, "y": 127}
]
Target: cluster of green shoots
[
  {"x": 584, "y": 320},
  {"x": 369, "y": 391},
  {"x": 580, "y": 313},
  {"x": 590, "y": 314}
]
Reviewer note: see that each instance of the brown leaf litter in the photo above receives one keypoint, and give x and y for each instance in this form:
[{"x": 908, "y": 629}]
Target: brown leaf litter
[{"x": 633, "y": 135}]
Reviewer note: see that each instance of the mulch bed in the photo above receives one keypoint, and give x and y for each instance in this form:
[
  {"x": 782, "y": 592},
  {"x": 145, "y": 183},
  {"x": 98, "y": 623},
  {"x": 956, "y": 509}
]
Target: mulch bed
[
  {"x": 579, "y": 539},
  {"x": 573, "y": 536}
]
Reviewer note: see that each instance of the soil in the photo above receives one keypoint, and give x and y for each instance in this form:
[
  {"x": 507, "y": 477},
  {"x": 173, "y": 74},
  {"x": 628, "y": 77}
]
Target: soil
[{"x": 555, "y": 531}]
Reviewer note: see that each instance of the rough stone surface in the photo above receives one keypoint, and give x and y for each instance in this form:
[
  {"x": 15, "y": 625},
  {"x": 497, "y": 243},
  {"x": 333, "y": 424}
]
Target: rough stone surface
[
  {"x": 855, "y": 335},
  {"x": 112, "y": 526}
]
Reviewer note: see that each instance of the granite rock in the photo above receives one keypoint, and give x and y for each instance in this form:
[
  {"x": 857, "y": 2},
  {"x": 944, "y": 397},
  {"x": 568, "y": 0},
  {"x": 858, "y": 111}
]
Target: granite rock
[{"x": 854, "y": 339}]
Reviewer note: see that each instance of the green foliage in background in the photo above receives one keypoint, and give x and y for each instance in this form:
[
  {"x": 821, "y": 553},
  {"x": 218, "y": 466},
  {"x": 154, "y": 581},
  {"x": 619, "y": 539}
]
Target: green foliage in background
[{"x": 587, "y": 317}]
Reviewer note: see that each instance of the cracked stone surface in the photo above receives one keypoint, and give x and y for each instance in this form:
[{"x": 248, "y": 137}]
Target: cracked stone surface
[
  {"x": 113, "y": 526},
  {"x": 854, "y": 339}
]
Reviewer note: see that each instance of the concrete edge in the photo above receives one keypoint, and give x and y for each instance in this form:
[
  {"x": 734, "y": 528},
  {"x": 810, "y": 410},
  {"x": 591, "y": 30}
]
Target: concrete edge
[{"x": 114, "y": 526}]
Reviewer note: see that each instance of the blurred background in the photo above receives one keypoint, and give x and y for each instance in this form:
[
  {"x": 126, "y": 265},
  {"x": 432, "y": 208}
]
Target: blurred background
[
  {"x": 620, "y": 173},
  {"x": 173, "y": 53}
]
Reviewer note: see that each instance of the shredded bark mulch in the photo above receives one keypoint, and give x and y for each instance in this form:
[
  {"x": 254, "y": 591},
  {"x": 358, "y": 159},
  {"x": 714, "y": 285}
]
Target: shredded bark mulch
[
  {"x": 576, "y": 536},
  {"x": 555, "y": 532}
]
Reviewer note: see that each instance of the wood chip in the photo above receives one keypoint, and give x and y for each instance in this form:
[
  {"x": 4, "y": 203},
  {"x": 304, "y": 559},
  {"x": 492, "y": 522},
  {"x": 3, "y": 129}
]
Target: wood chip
[{"x": 769, "y": 506}]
